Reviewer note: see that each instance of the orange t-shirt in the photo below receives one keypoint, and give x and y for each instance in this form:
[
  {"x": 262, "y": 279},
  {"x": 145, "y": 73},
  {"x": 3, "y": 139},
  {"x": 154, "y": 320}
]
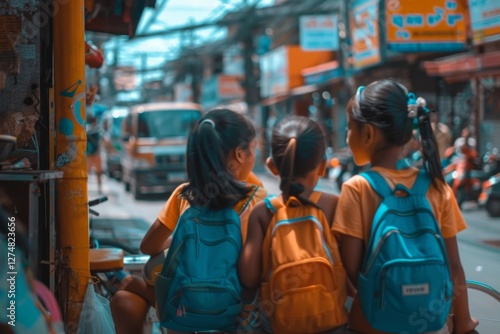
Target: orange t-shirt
[
  {"x": 358, "y": 203},
  {"x": 176, "y": 205}
]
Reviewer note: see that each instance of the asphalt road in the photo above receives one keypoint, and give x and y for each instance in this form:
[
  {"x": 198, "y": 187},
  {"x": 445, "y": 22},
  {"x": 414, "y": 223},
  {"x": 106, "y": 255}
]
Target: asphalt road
[{"x": 124, "y": 219}]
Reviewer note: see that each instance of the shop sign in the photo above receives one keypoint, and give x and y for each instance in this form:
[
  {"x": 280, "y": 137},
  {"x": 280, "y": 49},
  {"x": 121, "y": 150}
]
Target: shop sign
[
  {"x": 233, "y": 61},
  {"x": 319, "y": 33},
  {"x": 229, "y": 87},
  {"x": 365, "y": 33},
  {"x": 485, "y": 20},
  {"x": 183, "y": 92},
  {"x": 220, "y": 88},
  {"x": 324, "y": 76},
  {"x": 425, "y": 25},
  {"x": 274, "y": 72}
]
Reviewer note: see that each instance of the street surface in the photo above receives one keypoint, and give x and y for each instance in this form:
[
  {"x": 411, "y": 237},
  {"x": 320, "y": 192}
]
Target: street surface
[{"x": 125, "y": 219}]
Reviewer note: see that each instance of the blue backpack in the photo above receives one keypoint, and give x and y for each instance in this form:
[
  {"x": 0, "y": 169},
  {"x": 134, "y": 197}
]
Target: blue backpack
[
  {"x": 405, "y": 285},
  {"x": 198, "y": 288}
]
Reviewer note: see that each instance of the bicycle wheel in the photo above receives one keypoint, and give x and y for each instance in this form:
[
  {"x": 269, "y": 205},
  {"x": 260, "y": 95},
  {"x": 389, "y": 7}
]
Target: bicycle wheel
[{"x": 484, "y": 305}]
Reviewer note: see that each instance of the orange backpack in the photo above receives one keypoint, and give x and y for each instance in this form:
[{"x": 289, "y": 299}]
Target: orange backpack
[{"x": 304, "y": 284}]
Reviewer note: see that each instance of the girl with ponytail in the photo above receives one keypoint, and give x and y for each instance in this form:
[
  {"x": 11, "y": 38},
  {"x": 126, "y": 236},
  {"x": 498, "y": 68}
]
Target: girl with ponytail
[
  {"x": 298, "y": 149},
  {"x": 381, "y": 118},
  {"x": 220, "y": 157}
]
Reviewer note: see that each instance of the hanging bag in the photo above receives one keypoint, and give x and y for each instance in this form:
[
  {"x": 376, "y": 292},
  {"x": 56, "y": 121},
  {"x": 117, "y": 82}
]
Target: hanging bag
[{"x": 95, "y": 316}]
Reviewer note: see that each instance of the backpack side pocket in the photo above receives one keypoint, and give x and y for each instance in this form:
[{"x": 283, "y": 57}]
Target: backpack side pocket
[{"x": 162, "y": 287}]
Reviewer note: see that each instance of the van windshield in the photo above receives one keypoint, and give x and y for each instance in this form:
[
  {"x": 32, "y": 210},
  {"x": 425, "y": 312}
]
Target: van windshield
[
  {"x": 166, "y": 123},
  {"x": 115, "y": 130}
]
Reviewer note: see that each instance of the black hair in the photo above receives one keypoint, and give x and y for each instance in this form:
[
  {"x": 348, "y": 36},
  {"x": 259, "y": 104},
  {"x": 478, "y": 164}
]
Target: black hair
[
  {"x": 384, "y": 104},
  {"x": 210, "y": 142},
  {"x": 432, "y": 161},
  {"x": 298, "y": 145}
]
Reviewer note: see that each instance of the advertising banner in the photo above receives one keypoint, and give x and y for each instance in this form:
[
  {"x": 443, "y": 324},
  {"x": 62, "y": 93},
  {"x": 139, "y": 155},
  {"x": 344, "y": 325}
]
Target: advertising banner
[
  {"x": 425, "y": 25},
  {"x": 365, "y": 33},
  {"x": 274, "y": 72},
  {"x": 485, "y": 20},
  {"x": 319, "y": 33}
]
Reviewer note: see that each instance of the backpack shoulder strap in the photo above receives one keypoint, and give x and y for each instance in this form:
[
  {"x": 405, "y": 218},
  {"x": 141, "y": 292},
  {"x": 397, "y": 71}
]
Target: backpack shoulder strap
[
  {"x": 273, "y": 204},
  {"x": 421, "y": 185},
  {"x": 378, "y": 183},
  {"x": 249, "y": 199}
]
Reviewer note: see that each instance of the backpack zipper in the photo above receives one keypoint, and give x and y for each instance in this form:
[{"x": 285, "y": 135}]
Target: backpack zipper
[
  {"x": 406, "y": 214},
  {"x": 181, "y": 308},
  {"x": 304, "y": 219},
  {"x": 197, "y": 236},
  {"x": 389, "y": 233},
  {"x": 174, "y": 254}
]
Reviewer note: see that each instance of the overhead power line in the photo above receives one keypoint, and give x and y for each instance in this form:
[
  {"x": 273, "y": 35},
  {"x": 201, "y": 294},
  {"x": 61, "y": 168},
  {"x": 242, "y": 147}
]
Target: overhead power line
[{"x": 267, "y": 13}]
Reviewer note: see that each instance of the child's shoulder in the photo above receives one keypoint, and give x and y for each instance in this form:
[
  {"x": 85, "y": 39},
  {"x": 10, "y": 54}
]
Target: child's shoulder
[{"x": 328, "y": 204}]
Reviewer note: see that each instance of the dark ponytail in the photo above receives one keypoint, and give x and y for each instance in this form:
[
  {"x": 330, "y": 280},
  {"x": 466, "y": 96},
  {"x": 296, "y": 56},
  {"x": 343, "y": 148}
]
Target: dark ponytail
[
  {"x": 432, "y": 162},
  {"x": 212, "y": 139},
  {"x": 286, "y": 171},
  {"x": 297, "y": 147}
]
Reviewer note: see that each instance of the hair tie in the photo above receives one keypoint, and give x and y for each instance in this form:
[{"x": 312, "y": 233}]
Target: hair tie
[
  {"x": 413, "y": 110},
  {"x": 423, "y": 104},
  {"x": 412, "y": 106},
  {"x": 209, "y": 121}
]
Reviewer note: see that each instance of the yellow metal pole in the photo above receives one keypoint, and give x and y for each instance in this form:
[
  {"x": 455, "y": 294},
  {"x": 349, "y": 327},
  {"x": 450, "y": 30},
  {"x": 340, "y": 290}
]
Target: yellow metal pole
[{"x": 70, "y": 117}]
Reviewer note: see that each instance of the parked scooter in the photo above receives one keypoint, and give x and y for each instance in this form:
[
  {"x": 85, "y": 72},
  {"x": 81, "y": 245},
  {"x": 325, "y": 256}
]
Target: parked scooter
[
  {"x": 469, "y": 182},
  {"x": 342, "y": 167},
  {"x": 490, "y": 196}
]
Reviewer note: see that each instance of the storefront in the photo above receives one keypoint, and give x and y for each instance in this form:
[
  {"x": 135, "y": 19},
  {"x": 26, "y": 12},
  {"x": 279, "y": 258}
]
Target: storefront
[
  {"x": 322, "y": 93},
  {"x": 280, "y": 74},
  {"x": 411, "y": 33},
  {"x": 479, "y": 72}
]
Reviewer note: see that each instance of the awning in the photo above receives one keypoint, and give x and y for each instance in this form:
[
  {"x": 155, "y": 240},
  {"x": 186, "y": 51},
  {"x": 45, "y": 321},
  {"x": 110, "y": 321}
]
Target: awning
[
  {"x": 463, "y": 65},
  {"x": 320, "y": 68},
  {"x": 325, "y": 73},
  {"x": 304, "y": 90},
  {"x": 116, "y": 17},
  {"x": 273, "y": 100}
]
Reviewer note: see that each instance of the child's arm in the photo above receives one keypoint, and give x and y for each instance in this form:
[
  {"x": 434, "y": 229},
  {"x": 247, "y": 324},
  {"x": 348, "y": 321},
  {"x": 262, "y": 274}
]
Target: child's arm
[
  {"x": 351, "y": 252},
  {"x": 156, "y": 239},
  {"x": 463, "y": 323},
  {"x": 250, "y": 263}
]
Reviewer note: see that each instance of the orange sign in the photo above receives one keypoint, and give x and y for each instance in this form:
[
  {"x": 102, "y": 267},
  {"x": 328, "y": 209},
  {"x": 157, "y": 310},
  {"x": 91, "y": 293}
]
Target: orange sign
[
  {"x": 425, "y": 25},
  {"x": 229, "y": 87},
  {"x": 365, "y": 33}
]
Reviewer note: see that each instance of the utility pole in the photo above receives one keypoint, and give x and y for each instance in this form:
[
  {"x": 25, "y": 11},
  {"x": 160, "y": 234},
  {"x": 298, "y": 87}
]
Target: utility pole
[
  {"x": 249, "y": 82},
  {"x": 346, "y": 45}
]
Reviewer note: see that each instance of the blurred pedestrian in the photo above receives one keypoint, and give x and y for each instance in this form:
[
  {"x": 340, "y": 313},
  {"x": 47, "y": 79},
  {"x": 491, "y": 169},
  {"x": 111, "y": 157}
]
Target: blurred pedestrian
[{"x": 94, "y": 139}]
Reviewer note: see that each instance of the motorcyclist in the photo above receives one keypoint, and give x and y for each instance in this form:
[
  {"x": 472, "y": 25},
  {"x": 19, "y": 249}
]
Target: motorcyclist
[{"x": 464, "y": 162}]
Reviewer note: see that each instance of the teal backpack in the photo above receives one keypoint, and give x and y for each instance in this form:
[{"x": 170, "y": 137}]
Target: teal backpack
[
  {"x": 198, "y": 288},
  {"x": 405, "y": 285}
]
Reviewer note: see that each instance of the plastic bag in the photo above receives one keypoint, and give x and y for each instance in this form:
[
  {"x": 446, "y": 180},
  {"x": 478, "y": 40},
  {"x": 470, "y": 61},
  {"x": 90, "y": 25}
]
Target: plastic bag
[{"x": 96, "y": 314}]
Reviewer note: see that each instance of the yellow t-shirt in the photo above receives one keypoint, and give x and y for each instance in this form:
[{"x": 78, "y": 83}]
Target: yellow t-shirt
[
  {"x": 358, "y": 203},
  {"x": 176, "y": 205}
]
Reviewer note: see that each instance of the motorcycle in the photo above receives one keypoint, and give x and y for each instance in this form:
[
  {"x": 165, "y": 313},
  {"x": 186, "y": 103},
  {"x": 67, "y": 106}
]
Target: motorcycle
[
  {"x": 490, "y": 196},
  {"x": 470, "y": 182},
  {"x": 342, "y": 167}
]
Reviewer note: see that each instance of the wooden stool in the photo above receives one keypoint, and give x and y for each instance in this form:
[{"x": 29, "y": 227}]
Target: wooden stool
[{"x": 106, "y": 259}]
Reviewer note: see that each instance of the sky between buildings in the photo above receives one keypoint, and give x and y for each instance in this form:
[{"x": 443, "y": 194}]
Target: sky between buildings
[{"x": 172, "y": 14}]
